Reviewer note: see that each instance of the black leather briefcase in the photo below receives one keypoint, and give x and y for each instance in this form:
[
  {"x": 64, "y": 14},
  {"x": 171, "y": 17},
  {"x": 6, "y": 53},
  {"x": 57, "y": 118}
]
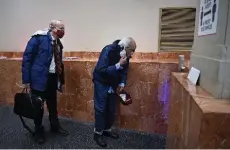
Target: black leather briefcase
[{"x": 23, "y": 107}]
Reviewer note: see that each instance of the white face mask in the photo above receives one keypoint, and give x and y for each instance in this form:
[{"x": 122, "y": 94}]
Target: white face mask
[{"x": 123, "y": 53}]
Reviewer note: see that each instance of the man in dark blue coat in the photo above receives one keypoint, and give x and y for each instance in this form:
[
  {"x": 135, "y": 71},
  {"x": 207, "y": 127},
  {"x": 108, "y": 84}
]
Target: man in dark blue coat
[
  {"x": 43, "y": 74},
  {"x": 109, "y": 76}
]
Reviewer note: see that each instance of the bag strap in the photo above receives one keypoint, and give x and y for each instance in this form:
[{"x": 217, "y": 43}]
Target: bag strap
[{"x": 26, "y": 127}]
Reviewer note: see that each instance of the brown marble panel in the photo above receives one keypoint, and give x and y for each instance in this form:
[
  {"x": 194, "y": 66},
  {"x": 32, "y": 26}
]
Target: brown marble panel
[
  {"x": 148, "y": 124},
  {"x": 91, "y": 55},
  {"x": 11, "y": 54},
  {"x": 7, "y": 54},
  {"x": 188, "y": 109},
  {"x": 130, "y": 122},
  {"x": 173, "y": 55},
  {"x": 210, "y": 105},
  {"x": 148, "y": 56},
  {"x": 10, "y": 74},
  {"x": 80, "y": 115},
  {"x": 203, "y": 120},
  {"x": 164, "y": 89},
  {"x": 194, "y": 126},
  {"x": 66, "y": 105},
  {"x": 79, "y": 85},
  {"x": 90, "y": 110},
  {"x": 143, "y": 88},
  {"x": 86, "y": 55},
  {"x": 215, "y": 131},
  {"x": 174, "y": 118},
  {"x": 196, "y": 91},
  {"x": 146, "y": 84},
  {"x": 184, "y": 117}
]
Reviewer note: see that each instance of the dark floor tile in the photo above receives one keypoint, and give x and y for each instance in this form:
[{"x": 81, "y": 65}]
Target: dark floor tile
[{"x": 12, "y": 135}]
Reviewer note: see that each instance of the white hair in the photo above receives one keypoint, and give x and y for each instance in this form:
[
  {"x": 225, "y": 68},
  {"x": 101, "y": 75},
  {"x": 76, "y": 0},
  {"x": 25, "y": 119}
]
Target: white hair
[
  {"x": 53, "y": 23},
  {"x": 128, "y": 43}
]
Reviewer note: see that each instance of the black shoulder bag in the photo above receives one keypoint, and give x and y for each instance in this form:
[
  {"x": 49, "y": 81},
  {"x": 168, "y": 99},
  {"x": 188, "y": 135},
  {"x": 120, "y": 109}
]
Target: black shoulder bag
[{"x": 23, "y": 107}]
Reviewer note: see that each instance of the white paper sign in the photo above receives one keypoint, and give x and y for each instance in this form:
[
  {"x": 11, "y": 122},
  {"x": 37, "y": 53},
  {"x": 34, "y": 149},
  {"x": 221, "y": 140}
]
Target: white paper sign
[
  {"x": 193, "y": 75},
  {"x": 208, "y": 17}
]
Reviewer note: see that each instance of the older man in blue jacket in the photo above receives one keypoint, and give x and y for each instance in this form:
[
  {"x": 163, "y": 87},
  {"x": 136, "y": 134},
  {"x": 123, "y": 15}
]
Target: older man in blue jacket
[
  {"x": 43, "y": 73},
  {"x": 109, "y": 76}
]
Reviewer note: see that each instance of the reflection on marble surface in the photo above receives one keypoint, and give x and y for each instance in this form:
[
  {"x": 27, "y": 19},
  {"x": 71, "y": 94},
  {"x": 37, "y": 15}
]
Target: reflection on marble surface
[
  {"x": 148, "y": 83},
  {"x": 90, "y": 55},
  {"x": 160, "y": 57},
  {"x": 196, "y": 119}
]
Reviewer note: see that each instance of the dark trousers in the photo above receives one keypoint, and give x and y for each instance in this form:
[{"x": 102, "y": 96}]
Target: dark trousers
[
  {"x": 50, "y": 96},
  {"x": 104, "y": 106}
]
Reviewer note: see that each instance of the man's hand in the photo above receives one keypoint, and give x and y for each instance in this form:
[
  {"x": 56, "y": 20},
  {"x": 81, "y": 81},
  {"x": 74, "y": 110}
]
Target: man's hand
[
  {"x": 26, "y": 86},
  {"x": 123, "y": 60},
  {"x": 120, "y": 89}
]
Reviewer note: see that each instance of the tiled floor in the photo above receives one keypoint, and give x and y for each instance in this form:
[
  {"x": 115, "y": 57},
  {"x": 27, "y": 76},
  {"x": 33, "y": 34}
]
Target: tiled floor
[{"x": 12, "y": 135}]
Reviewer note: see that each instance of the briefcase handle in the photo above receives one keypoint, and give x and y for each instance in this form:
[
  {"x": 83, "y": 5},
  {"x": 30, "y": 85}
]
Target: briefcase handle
[{"x": 24, "y": 90}]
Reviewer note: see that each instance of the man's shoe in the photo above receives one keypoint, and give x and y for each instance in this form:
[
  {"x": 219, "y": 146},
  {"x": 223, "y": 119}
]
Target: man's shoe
[
  {"x": 39, "y": 135},
  {"x": 100, "y": 140},
  {"x": 60, "y": 131},
  {"x": 111, "y": 134}
]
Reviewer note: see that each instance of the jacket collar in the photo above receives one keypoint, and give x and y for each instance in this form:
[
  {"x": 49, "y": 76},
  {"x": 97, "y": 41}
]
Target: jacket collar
[
  {"x": 49, "y": 35},
  {"x": 116, "y": 46}
]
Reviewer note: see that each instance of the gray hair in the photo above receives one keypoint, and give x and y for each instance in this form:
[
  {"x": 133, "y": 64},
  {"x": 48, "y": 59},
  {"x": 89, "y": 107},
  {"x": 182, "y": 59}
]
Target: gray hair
[
  {"x": 128, "y": 43},
  {"x": 53, "y": 23}
]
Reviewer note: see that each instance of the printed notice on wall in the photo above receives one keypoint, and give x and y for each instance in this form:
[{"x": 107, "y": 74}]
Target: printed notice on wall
[{"x": 208, "y": 17}]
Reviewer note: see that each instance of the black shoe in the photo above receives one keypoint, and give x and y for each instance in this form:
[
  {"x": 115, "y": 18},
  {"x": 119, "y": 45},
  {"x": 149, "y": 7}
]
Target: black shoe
[
  {"x": 60, "y": 131},
  {"x": 111, "y": 134},
  {"x": 39, "y": 135},
  {"x": 100, "y": 140}
]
